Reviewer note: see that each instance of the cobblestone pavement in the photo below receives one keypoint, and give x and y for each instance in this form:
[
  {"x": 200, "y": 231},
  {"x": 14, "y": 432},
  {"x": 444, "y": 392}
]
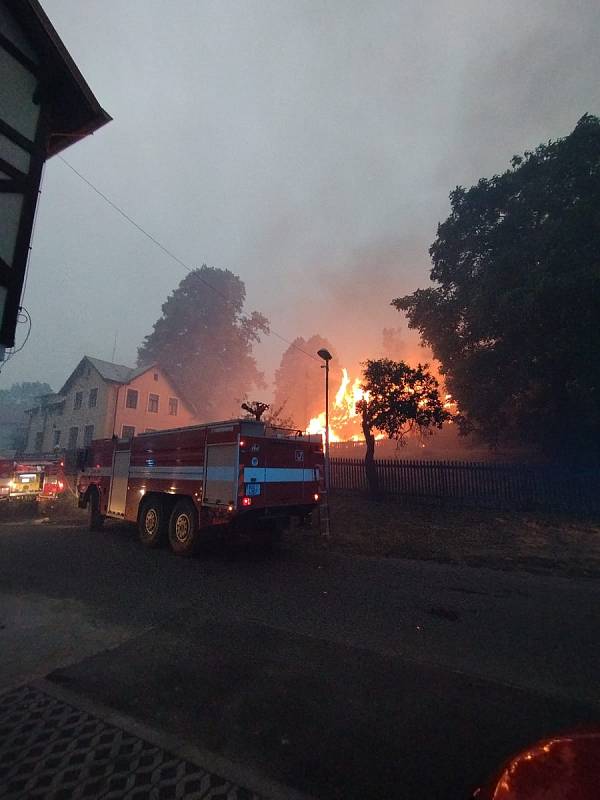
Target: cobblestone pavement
[{"x": 52, "y": 750}]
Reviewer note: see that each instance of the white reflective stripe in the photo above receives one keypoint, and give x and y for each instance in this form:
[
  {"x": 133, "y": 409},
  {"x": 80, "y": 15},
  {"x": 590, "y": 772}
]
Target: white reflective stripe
[
  {"x": 277, "y": 475},
  {"x": 220, "y": 473},
  {"x": 189, "y": 473},
  {"x": 98, "y": 472}
]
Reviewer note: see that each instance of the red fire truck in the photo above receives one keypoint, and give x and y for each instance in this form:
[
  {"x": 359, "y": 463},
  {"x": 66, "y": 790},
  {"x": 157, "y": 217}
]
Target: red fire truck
[
  {"x": 244, "y": 475},
  {"x": 55, "y": 482}
]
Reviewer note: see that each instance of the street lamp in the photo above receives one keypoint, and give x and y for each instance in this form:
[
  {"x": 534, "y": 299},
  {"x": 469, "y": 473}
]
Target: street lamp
[{"x": 326, "y": 356}]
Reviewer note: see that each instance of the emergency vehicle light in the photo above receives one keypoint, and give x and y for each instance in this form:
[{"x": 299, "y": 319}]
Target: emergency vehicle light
[{"x": 246, "y": 501}]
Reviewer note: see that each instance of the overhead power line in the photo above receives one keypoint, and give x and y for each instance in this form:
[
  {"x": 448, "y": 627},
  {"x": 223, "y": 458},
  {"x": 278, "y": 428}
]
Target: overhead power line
[
  {"x": 170, "y": 253},
  {"x": 23, "y": 317}
]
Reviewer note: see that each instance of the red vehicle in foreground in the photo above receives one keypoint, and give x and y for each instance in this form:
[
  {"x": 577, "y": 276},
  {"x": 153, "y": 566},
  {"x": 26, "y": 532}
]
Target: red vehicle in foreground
[
  {"x": 242, "y": 475},
  {"x": 562, "y": 767}
]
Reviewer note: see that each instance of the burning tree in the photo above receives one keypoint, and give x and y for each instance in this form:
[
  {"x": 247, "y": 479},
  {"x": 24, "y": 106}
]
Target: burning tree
[{"x": 397, "y": 400}]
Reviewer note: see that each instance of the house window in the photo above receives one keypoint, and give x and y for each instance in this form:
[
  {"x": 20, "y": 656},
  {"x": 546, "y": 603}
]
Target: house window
[
  {"x": 153, "y": 403},
  {"x": 39, "y": 440},
  {"x": 127, "y": 432},
  {"x": 93, "y": 399},
  {"x": 132, "y": 398},
  {"x": 156, "y": 376},
  {"x": 88, "y": 435},
  {"x": 73, "y": 434},
  {"x": 78, "y": 400},
  {"x": 173, "y": 406},
  {"x": 56, "y": 439}
]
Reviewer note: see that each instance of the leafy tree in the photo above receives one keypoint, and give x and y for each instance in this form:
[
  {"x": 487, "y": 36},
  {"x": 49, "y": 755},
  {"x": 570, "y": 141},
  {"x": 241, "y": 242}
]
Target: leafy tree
[
  {"x": 23, "y": 394},
  {"x": 204, "y": 341},
  {"x": 398, "y": 400},
  {"x": 514, "y": 312},
  {"x": 299, "y": 383}
]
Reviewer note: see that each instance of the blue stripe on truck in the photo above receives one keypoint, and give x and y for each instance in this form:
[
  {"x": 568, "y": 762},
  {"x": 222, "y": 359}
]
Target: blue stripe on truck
[{"x": 277, "y": 475}]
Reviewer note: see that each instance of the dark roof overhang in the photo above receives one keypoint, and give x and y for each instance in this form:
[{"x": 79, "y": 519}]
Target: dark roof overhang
[{"x": 73, "y": 110}]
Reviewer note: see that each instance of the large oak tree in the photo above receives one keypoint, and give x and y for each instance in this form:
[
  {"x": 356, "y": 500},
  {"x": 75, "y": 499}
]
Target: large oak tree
[
  {"x": 514, "y": 311},
  {"x": 203, "y": 340}
]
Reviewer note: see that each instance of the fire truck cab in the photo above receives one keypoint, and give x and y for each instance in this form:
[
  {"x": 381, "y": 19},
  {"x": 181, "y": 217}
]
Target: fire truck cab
[{"x": 242, "y": 475}]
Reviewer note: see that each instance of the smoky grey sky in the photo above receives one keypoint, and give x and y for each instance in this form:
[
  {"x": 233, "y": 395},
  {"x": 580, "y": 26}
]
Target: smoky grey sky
[{"x": 307, "y": 146}]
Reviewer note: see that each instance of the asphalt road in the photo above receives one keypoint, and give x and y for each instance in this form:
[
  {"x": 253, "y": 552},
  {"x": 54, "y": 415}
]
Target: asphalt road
[{"x": 345, "y": 677}]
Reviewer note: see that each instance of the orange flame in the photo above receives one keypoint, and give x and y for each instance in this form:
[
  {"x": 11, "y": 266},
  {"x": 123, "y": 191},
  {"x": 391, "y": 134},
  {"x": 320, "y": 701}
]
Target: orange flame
[{"x": 344, "y": 420}]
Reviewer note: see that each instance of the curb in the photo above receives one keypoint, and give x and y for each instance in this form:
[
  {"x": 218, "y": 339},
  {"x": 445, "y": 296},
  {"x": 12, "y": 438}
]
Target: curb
[{"x": 243, "y": 776}]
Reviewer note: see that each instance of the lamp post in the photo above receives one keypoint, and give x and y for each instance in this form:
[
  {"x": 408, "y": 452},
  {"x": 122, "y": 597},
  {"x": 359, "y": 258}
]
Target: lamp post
[{"x": 326, "y": 356}]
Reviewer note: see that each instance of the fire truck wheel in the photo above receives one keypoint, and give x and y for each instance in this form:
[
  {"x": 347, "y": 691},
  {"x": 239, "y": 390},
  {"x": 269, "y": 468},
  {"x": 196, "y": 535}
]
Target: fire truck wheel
[
  {"x": 96, "y": 519},
  {"x": 183, "y": 528},
  {"x": 153, "y": 523}
]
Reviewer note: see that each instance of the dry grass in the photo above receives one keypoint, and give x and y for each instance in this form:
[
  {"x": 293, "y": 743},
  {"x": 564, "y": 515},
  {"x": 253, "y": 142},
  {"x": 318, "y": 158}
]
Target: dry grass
[{"x": 534, "y": 542}]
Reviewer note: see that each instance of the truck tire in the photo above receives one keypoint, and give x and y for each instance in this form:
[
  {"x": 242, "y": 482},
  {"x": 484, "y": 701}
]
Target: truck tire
[
  {"x": 183, "y": 528},
  {"x": 153, "y": 523},
  {"x": 95, "y": 518}
]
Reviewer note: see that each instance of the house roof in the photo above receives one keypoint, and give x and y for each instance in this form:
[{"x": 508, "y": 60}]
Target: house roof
[
  {"x": 119, "y": 373},
  {"x": 74, "y": 110}
]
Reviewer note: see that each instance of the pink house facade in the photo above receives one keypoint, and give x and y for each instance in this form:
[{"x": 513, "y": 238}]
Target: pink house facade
[{"x": 101, "y": 399}]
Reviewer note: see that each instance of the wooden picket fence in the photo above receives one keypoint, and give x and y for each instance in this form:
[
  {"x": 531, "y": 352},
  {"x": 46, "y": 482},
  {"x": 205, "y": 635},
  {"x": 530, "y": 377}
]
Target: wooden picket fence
[{"x": 478, "y": 484}]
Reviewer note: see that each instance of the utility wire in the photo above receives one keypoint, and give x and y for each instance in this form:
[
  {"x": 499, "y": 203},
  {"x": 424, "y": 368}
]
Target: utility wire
[
  {"x": 22, "y": 317},
  {"x": 172, "y": 255}
]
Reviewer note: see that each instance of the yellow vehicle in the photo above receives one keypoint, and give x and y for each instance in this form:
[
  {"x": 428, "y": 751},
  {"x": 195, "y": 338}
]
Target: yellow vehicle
[{"x": 27, "y": 482}]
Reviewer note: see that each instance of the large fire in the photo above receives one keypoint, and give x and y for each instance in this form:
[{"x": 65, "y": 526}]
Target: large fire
[{"x": 344, "y": 420}]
